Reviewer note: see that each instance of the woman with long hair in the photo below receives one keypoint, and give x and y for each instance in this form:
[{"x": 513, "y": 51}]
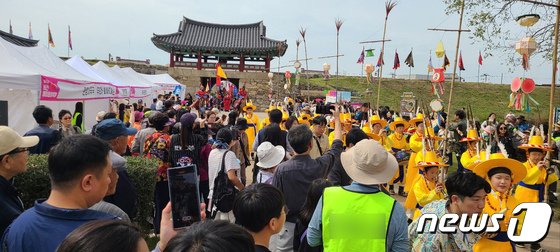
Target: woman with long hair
[
  {"x": 78, "y": 118},
  {"x": 506, "y": 139},
  {"x": 313, "y": 195}
]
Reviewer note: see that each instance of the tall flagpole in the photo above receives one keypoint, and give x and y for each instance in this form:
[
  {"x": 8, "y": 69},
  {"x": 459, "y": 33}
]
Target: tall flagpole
[
  {"x": 388, "y": 6},
  {"x": 478, "y": 74}
]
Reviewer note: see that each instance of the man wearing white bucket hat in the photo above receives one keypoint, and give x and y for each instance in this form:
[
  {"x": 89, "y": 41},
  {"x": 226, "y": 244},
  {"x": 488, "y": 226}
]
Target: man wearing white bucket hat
[
  {"x": 269, "y": 157},
  {"x": 360, "y": 217},
  {"x": 13, "y": 161}
]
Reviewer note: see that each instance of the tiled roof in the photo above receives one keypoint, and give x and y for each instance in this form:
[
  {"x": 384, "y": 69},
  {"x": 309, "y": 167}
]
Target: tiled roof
[
  {"x": 247, "y": 39},
  {"x": 17, "y": 40}
]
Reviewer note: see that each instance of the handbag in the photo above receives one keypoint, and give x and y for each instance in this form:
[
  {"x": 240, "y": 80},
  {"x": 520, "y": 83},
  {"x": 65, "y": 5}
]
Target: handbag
[{"x": 224, "y": 191}]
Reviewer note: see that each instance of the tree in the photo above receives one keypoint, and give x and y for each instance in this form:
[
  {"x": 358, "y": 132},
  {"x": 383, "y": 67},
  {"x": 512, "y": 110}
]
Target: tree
[{"x": 492, "y": 22}]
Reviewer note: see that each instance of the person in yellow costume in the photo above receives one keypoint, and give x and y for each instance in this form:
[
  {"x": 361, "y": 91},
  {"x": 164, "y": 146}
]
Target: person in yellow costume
[
  {"x": 305, "y": 119},
  {"x": 415, "y": 144},
  {"x": 266, "y": 121},
  {"x": 252, "y": 123},
  {"x": 377, "y": 130},
  {"x": 471, "y": 155},
  {"x": 532, "y": 187},
  {"x": 398, "y": 146},
  {"x": 428, "y": 188},
  {"x": 502, "y": 173},
  {"x": 346, "y": 120}
]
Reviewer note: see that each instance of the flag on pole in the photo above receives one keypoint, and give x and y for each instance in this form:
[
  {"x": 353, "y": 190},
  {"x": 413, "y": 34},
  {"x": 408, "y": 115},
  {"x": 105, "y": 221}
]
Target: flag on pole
[
  {"x": 50, "y": 38},
  {"x": 30, "y": 36},
  {"x": 369, "y": 52},
  {"x": 430, "y": 66},
  {"x": 69, "y": 39},
  {"x": 445, "y": 62},
  {"x": 11, "y": 30},
  {"x": 380, "y": 60},
  {"x": 461, "y": 65},
  {"x": 479, "y": 58},
  {"x": 361, "y": 58},
  {"x": 409, "y": 61},
  {"x": 219, "y": 74},
  {"x": 397, "y": 62}
]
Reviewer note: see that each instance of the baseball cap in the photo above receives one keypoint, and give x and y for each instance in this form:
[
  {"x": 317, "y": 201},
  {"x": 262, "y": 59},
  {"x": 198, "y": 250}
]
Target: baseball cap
[
  {"x": 112, "y": 128},
  {"x": 11, "y": 140}
]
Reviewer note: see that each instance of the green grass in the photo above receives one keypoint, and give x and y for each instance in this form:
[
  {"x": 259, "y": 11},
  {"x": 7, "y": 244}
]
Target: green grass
[{"x": 484, "y": 98}]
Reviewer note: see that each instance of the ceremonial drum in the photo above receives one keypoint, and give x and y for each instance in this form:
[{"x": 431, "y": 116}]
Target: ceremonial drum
[
  {"x": 436, "y": 105},
  {"x": 402, "y": 157}
]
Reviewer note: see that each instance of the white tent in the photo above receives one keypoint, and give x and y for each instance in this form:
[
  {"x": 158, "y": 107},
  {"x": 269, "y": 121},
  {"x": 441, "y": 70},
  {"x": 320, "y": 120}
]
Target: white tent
[
  {"x": 122, "y": 83},
  {"x": 165, "y": 81},
  {"x": 142, "y": 87},
  {"x": 32, "y": 75}
]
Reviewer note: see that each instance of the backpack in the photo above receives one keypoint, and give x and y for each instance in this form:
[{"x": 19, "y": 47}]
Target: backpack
[{"x": 224, "y": 191}]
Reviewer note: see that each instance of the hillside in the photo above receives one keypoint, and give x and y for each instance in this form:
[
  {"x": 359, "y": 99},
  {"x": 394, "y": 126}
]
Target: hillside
[{"x": 484, "y": 98}]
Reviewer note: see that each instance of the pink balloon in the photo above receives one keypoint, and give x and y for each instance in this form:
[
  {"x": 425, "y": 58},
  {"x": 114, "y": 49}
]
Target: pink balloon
[
  {"x": 528, "y": 85},
  {"x": 515, "y": 85}
]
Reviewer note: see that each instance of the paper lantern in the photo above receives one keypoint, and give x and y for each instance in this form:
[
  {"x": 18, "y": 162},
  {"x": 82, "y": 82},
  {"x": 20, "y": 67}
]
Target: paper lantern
[
  {"x": 528, "y": 20},
  {"x": 526, "y": 46},
  {"x": 288, "y": 75},
  {"x": 440, "y": 51},
  {"x": 326, "y": 67},
  {"x": 369, "y": 53},
  {"x": 527, "y": 85},
  {"x": 515, "y": 85},
  {"x": 270, "y": 75},
  {"x": 369, "y": 68}
]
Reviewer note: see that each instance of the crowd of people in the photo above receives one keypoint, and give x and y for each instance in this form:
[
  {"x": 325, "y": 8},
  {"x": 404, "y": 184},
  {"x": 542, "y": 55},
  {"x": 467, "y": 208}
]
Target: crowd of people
[{"x": 324, "y": 177}]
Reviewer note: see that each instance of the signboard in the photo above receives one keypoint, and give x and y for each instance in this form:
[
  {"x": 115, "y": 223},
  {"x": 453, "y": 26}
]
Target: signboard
[
  {"x": 140, "y": 92},
  {"x": 408, "y": 104},
  {"x": 54, "y": 89},
  {"x": 331, "y": 96},
  {"x": 342, "y": 96}
]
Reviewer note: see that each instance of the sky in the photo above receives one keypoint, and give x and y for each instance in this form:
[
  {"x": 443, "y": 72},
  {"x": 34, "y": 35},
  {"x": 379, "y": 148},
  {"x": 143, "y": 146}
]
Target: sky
[{"x": 124, "y": 28}]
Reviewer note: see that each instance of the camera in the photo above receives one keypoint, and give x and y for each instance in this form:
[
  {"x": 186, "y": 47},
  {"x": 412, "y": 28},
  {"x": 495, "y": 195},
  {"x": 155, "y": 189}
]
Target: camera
[{"x": 324, "y": 109}]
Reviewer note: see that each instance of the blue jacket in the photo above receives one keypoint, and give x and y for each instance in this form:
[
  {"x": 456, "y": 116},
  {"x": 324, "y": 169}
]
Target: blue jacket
[
  {"x": 47, "y": 138},
  {"x": 9, "y": 203},
  {"x": 43, "y": 227}
]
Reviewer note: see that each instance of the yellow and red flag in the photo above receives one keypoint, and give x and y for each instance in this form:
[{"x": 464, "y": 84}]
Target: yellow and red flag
[{"x": 220, "y": 74}]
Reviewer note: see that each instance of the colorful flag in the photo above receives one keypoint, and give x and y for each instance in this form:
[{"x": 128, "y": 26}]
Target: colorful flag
[
  {"x": 30, "y": 36},
  {"x": 396, "y": 62},
  {"x": 409, "y": 61},
  {"x": 11, "y": 30},
  {"x": 479, "y": 58},
  {"x": 361, "y": 58},
  {"x": 438, "y": 75},
  {"x": 219, "y": 74},
  {"x": 445, "y": 62},
  {"x": 50, "y": 38},
  {"x": 461, "y": 65},
  {"x": 380, "y": 60},
  {"x": 369, "y": 52},
  {"x": 430, "y": 66},
  {"x": 69, "y": 39}
]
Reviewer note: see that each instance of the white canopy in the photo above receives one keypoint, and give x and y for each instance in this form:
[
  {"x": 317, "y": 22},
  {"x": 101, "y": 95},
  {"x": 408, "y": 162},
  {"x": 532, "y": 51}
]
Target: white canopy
[
  {"x": 117, "y": 79},
  {"x": 160, "y": 79},
  {"x": 86, "y": 69},
  {"x": 142, "y": 87}
]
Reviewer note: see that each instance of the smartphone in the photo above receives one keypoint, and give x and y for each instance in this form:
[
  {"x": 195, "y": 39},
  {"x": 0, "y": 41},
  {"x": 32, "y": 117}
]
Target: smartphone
[{"x": 184, "y": 195}]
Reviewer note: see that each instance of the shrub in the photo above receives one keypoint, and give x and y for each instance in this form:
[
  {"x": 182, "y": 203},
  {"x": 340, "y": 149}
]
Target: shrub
[{"x": 35, "y": 184}]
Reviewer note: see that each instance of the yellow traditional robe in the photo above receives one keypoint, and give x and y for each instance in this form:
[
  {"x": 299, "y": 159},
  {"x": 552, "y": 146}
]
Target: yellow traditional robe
[
  {"x": 331, "y": 139},
  {"x": 415, "y": 143},
  {"x": 398, "y": 142},
  {"x": 265, "y": 122},
  {"x": 535, "y": 177},
  {"x": 424, "y": 194},
  {"x": 467, "y": 160},
  {"x": 253, "y": 123},
  {"x": 493, "y": 201}
]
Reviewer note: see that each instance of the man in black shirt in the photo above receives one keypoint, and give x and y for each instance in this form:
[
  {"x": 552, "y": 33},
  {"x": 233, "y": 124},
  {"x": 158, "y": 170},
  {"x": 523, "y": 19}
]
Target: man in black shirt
[
  {"x": 47, "y": 137},
  {"x": 13, "y": 161}
]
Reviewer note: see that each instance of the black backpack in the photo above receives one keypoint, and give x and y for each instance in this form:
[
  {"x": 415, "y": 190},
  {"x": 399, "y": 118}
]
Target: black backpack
[{"x": 224, "y": 191}]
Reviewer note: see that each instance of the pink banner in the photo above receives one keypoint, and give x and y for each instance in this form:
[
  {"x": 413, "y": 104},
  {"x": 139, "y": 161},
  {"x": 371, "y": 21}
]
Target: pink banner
[{"x": 55, "y": 89}]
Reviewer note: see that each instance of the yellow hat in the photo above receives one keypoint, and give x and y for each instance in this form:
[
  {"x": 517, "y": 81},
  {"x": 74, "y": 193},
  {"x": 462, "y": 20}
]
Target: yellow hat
[
  {"x": 398, "y": 121},
  {"x": 430, "y": 159},
  {"x": 518, "y": 170},
  {"x": 373, "y": 136},
  {"x": 305, "y": 117},
  {"x": 419, "y": 118},
  {"x": 346, "y": 118},
  {"x": 472, "y": 135},
  {"x": 366, "y": 128},
  {"x": 535, "y": 142},
  {"x": 430, "y": 131},
  {"x": 270, "y": 107},
  {"x": 285, "y": 116},
  {"x": 374, "y": 119},
  {"x": 249, "y": 105}
]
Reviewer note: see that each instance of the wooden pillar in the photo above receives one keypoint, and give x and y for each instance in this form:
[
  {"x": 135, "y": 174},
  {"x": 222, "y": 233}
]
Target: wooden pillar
[
  {"x": 241, "y": 63},
  {"x": 171, "y": 60},
  {"x": 199, "y": 61},
  {"x": 267, "y": 64}
]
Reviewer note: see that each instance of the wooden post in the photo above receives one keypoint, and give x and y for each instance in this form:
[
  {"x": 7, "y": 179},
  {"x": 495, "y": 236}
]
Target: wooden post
[
  {"x": 267, "y": 64},
  {"x": 199, "y": 61},
  {"x": 241, "y": 63},
  {"x": 171, "y": 60},
  {"x": 553, "y": 84}
]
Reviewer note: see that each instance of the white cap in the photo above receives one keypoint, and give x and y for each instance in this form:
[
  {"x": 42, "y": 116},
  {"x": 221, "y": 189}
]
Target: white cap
[
  {"x": 270, "y": 155},
  {"x": 11, "y": 140}
]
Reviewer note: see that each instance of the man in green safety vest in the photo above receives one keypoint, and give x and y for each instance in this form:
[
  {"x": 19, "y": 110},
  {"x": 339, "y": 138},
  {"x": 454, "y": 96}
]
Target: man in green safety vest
[{"x": 360, "y": 217}]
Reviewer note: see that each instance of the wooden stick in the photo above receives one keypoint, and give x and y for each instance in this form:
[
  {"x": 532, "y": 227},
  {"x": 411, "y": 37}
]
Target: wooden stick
[
  {"x": 382, "y": 55},
  {"x": 448, "y": 30}
]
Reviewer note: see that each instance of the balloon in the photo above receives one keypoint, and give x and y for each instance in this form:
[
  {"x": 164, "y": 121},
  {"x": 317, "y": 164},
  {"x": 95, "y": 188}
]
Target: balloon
[
  {"x": 515, "y": 84},
  {"x": 528, "y": 85}
]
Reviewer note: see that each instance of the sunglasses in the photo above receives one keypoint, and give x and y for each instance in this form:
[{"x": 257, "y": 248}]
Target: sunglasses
[
  {"x": 66, "y": 118},
  {"x": 502, "y": 128},
  {"x": 15, "y": 151}
]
